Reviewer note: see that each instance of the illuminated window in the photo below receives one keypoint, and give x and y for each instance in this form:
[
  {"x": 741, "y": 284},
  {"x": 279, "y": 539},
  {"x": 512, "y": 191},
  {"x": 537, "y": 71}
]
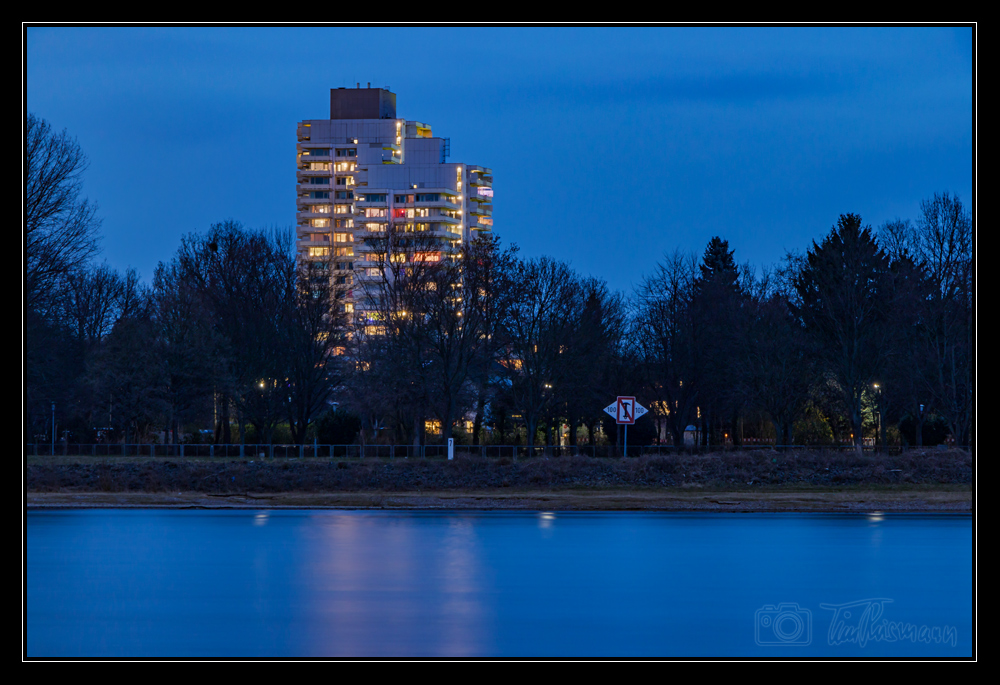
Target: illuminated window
[
  {"x": 375, "y": 212},
  {"x": 343, "y": 238},
  {"x": 341, "y": 209},
  {"x": 319, "y": 166},
  {"x": 433, "y": 427},
  {"x": 320, "y": 223},
  {"x": 375, "y": 227},
  {"x": 343, "y": 252},
  {"x": 321, "y": 209},
  {"x": 319, "y": 252}
]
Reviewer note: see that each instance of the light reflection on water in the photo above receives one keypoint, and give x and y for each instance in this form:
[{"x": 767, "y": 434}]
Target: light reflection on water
[{"x": 358, "y": 583}]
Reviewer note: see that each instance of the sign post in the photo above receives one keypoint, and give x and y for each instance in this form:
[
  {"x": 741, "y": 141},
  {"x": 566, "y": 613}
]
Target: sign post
[
  {"x": 451, "y": 448},
  {"x": 625, "y": 410}
]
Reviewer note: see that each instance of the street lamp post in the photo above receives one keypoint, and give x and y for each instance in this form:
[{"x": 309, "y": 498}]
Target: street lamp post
[{"x": 879, "y": 423}]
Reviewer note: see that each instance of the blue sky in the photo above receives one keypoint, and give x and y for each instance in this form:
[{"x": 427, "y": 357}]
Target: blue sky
[{"x": 610, "y": 147}]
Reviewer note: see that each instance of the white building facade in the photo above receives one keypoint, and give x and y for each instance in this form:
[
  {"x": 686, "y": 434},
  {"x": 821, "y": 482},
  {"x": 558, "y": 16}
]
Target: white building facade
[{"x": 365, "y": 171}]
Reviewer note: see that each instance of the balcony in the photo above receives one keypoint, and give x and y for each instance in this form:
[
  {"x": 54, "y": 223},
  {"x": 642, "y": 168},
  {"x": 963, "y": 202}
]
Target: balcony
[
  {"x": 445, "y": 202},
  {"x": 302, "y": 203},
  {"x": 442, "y": 231},
  {"x": 305, "y": 214},
  {"x": 303, "y": 174},
  {"x": 481, "y": 223},
  {"x": 314, "y": 239},
  {"x": 481, "y": 194},
  {"x": 305, "y": 155},
  {"x": 304, "y": 185},
  {"x": 382, "y": 221}
]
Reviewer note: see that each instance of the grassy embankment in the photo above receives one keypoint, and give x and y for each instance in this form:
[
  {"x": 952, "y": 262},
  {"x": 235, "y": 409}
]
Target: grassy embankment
[{"x": 926, "y": 480}]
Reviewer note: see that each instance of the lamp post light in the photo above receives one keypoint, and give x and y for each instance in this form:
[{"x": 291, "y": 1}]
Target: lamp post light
[
  {"x": 920, "y": 428},
  {"x": 879, "y": 427}
]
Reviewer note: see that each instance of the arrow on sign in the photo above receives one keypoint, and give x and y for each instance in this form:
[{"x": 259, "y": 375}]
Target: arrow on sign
[{"x": 626, "y": 413}]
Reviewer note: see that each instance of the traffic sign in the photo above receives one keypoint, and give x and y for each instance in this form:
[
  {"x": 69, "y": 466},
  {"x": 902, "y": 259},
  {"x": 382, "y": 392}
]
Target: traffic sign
[{"x": 626, "y": 410}]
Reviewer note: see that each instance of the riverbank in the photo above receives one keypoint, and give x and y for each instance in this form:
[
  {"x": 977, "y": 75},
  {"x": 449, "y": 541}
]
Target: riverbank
[
  {"x": 911, "y": 500},
  {"x": 930, "y": 480}
]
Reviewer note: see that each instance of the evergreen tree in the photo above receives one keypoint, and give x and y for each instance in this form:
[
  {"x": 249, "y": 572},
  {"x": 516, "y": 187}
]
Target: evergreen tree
[
  {"x": 845, "y": 300},
  {"x": 718, "y": 305}
]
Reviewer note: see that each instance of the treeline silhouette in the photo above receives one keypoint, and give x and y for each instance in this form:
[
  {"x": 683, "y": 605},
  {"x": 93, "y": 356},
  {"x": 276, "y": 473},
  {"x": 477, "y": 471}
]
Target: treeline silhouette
[{"x": 867, "y": 334}]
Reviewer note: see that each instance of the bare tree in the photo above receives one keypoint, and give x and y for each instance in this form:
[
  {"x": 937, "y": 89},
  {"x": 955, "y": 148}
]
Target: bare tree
[
  {"x": 193, "y": 350},
  {"x": 314, "y": 340},
  {"x": 592, "y": 364},
  {"x": 944, "y": 246},
  {"x": 126, "y": 373},
  {"x": 94, "y": 299},
  {"x": 244, "y": 277},
  {"x": 60, "y": 228},
  {"x": 396, "y": 268},
  {"x": 489, "y": 277},
  {"x": 934, "y": 270},
  {"x": 540, "y": 326},
  {"x": 663, "y": 335}
]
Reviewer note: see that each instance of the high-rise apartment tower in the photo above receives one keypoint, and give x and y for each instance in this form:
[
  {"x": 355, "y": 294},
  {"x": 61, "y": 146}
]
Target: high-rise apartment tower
[{"x": 364, "y": 171}]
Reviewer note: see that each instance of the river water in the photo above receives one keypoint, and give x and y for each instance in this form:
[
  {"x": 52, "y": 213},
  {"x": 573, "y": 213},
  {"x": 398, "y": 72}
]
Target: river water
[{"x": 292, "y": 583}]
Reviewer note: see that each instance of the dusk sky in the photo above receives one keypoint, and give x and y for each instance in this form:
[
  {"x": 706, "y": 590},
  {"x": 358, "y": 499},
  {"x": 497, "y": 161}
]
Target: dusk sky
[{"x": 609, "y": 147}]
